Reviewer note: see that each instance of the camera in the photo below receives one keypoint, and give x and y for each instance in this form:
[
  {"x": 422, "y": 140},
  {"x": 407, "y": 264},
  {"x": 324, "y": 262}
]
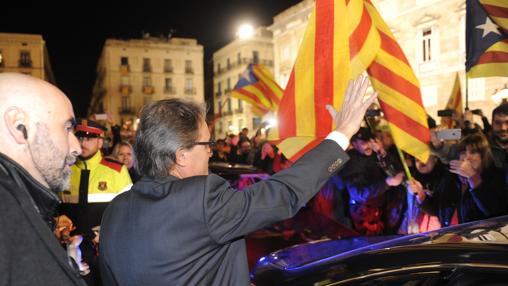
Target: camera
[
  {"x": 373, "y": 112},
  {"x": 445, "y": 113},
  {"x": 476, "y": 111}
]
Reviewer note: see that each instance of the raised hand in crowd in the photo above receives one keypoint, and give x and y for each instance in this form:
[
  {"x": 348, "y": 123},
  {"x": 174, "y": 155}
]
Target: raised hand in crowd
[
  {"x": 396, "y": 180},
  {"x": 348, "y": 119}
]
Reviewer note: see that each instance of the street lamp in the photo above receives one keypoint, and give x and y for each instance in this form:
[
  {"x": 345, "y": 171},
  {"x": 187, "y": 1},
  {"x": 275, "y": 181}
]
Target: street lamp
[
  {"x": 245, "y": 31},
  {"x": 500, "y": 96}
]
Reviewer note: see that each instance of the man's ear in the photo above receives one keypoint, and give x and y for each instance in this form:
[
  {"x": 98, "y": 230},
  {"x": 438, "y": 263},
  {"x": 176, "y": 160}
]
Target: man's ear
[
  {"x": 15, "y": 121},
  {"x": 101, "y": 142},
  {"x": 181, "y": 157}
]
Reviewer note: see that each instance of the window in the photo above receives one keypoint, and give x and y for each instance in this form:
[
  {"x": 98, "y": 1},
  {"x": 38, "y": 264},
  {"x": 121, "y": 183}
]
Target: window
[
  {"x": 124, "y": 61},
  {"x": 147, "y": 81},
  {"x": 426, "y": 45},
  {"x": 228, "y": 64},
  {"x": 239, "y": 58},
  {"x": 189, "y": 86},
  {"x": 255, "y": 57},
  {"x": 25, "y": 61},
  {"x": 168, "y": 85},
  {"x": 1, "y": 59},
  {"x": 125, "y": 103},
  {"x": 240, "y": 105},
  {"x": 240, "y": 124},
  {"x": 168, "y": 65},
  {"x": 229, "y": 106},
  {"x": 147, "y": 67},
  {"x": 168, "y": 82},
  {"x": 188, "y": 67},
  {"x": 218, "y": 68},
  {"x": 219, "y": 88},
  {"x": 228, "y": 85}
]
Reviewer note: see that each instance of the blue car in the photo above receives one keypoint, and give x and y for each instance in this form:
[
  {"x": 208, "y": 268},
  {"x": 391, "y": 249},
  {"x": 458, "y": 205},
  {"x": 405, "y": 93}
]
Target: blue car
[{"x": 474, "y": 253}]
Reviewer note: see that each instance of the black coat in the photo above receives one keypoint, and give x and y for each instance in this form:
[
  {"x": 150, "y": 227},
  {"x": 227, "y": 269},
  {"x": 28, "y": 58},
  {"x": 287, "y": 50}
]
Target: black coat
[
  {"x": 29, "y": 251},
  {"x": 486, "y": 200},
  {"x": 190, "y": 231}
]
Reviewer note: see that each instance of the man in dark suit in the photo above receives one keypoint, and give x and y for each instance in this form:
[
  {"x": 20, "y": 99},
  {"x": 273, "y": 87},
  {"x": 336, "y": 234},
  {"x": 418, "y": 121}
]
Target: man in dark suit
[
  {"x": 180, "y": 225},
  {"x": 36, "y": 152}
]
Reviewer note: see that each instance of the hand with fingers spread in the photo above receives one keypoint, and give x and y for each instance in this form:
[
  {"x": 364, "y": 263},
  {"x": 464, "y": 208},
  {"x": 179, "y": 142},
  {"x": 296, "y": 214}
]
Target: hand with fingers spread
[{"x": 348, "y": 119}]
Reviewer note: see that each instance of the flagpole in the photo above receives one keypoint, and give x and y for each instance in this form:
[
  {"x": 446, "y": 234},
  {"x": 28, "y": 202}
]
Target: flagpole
[{"x": 467, "y": 93}]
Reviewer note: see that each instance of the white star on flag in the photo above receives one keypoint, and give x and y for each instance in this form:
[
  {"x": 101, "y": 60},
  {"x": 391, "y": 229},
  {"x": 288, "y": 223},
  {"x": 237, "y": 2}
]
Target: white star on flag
[
  {"x": 488, "y": 27},
  {"x": 247, "y": 76}
]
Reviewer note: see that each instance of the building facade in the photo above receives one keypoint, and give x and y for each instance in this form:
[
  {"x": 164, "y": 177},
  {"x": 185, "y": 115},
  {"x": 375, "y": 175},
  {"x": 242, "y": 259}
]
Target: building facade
[
  {"x": 288, "y": 28},
  {"x": 132, "y": 73},
  {"x": 27, "y": 54},
  {"x": 229, "y": 63},
  {"x": 432, "y": 35}
]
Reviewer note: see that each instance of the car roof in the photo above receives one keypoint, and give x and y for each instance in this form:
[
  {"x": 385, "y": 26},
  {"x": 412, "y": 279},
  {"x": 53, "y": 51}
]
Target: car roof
[{"x": 299, "y": 257}]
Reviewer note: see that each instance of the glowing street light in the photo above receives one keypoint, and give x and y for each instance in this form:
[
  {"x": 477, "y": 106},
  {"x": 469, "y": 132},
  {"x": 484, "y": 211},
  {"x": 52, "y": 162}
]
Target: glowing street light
[
  {"x": 245, "y": 31},
  {"x": 500, "y": 96}
]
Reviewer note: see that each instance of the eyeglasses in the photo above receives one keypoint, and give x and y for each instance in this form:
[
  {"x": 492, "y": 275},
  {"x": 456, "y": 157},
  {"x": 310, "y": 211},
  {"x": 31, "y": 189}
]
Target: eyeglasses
[{"x": 210, "y": 143}]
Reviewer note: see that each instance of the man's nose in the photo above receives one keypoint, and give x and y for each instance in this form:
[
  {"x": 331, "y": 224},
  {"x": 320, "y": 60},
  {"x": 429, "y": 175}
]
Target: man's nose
[{"x": 75, "y": 145}]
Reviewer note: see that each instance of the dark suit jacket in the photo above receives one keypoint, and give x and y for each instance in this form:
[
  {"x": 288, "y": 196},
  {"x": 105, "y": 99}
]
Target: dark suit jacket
[
  {"x": 29, "y": 251},
  {"x": 190, "y": 231}
]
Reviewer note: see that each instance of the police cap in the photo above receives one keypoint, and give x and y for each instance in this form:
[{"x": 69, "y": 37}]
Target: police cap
[{"x": 88, "y": 128}]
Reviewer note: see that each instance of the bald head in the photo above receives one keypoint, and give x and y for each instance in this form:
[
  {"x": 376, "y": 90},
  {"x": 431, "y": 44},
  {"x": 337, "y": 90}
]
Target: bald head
[
  {"x": 35, "y": 115},
  {"x": 31, "y": 94}
]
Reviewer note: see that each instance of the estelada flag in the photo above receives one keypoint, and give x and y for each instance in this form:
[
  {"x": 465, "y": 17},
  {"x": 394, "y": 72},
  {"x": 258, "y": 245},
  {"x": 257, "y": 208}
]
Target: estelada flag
[{"x": 486, "y": 38}]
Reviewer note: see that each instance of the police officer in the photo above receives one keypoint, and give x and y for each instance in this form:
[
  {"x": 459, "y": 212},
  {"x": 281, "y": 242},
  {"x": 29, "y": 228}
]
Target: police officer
[{"x": 95, "y": 181}]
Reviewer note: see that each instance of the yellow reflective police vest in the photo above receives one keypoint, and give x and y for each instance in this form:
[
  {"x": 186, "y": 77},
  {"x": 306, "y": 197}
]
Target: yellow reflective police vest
[{"x": 107, "y": 179}]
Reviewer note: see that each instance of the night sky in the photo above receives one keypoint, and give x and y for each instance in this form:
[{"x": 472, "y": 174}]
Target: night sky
[{"x": 75, "y": 31}]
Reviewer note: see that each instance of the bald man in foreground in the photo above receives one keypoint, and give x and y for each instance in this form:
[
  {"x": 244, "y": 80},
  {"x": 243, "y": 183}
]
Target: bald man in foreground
[{"x": 37, "y": 148}]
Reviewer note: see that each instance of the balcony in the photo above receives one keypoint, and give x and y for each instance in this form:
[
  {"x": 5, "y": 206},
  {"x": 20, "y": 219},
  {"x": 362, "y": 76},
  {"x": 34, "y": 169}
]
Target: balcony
[
  {"x": 124, "y": 69},
  {"x": 126, "y": 111},
  {"x": 218, "y": 93},
  {"x": 189, "y": 70},
  {"x": 147, "y": 89},
  {"x": 239, "y": 110},
  {"x": 190, "y": 91},
  {"x": 125, "y": 89},
  {"x": 169, "y": 90},
  {"x": 168, "y": 69}
]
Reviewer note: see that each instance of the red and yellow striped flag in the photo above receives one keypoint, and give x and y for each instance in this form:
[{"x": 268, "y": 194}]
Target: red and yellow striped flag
[
  {"x": 343, "y": 39},
  {"x": 399, "y": 93},
  {"x": 454, "y": 102},
  {"x": 319, "y": 77},
  {"x": 257, "y": 87}
]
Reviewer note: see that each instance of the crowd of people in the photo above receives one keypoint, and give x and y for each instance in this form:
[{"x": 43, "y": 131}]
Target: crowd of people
[{"x": 149, "y": 212}]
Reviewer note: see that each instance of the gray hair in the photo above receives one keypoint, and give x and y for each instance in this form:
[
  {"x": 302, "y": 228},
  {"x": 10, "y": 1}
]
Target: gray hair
[{"x": 164, "y": 127}]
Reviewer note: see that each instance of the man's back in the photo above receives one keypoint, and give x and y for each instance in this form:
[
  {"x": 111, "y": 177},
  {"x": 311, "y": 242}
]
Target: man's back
[{"x": 182, "y": 250}]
